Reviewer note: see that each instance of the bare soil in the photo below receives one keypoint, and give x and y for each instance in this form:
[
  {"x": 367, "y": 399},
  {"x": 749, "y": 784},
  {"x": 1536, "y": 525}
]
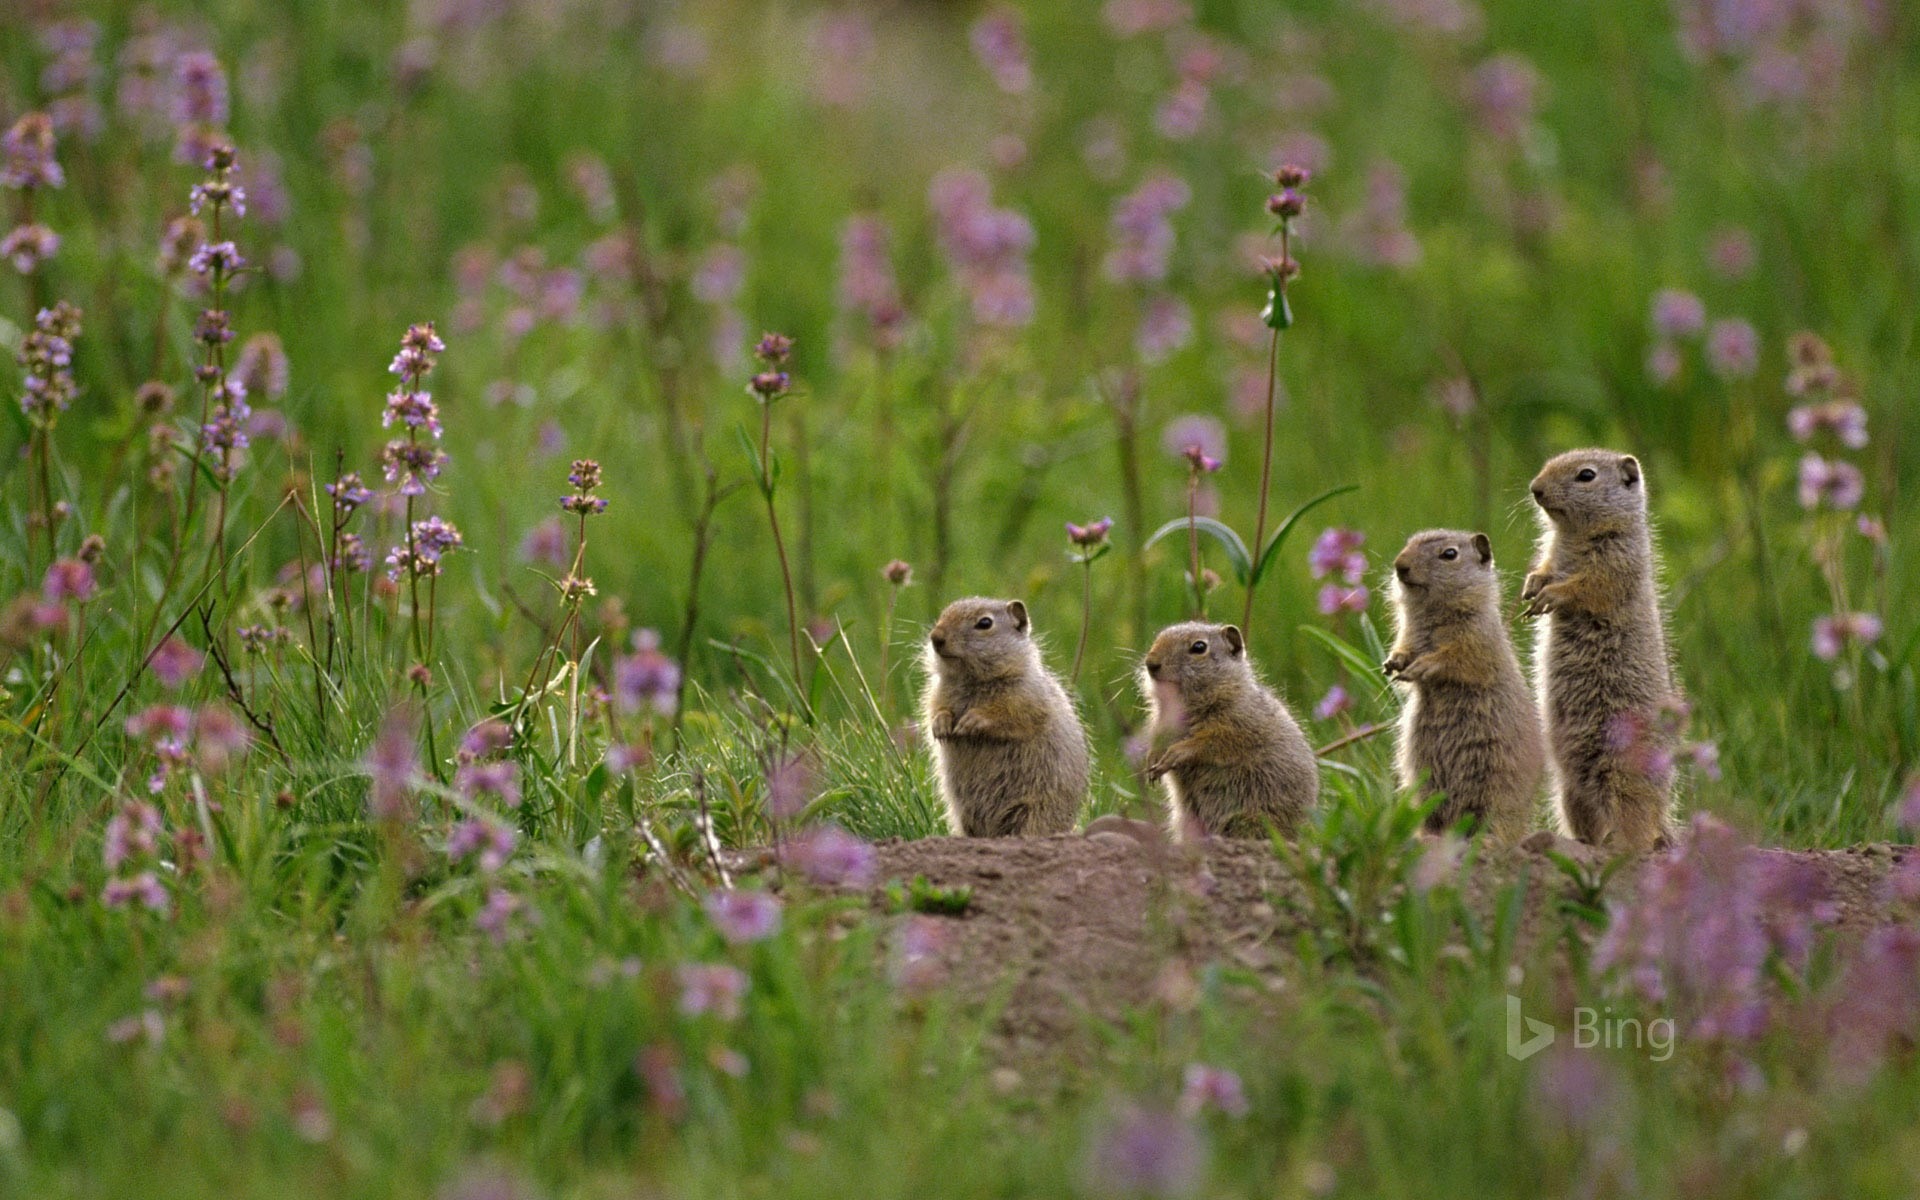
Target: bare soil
[{"x": 1063, "y": 933}]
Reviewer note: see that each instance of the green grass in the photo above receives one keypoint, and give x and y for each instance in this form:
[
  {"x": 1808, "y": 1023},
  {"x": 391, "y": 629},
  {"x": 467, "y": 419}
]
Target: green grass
[{"x": 332, "y": 1016}]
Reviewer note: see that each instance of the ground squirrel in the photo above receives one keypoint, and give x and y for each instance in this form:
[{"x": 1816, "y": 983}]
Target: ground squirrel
[
  {"x": 1470, "y": 728},
  {"x": 1238, "y": 762},
  {"x": 1007, "y": 745},
  {"x": 1602, "y": 666}
]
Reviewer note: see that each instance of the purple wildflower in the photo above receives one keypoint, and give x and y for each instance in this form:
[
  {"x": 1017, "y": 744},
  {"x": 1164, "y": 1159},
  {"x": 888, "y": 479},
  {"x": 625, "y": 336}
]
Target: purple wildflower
[
  {"x": 1145, "y": 1152},
  {"x": 1166, "y": 325},
  {"x": 262, "y": 367},
  {"x": 867, "y": 284},
  {"x": 495, "y": 918},
  {"x": 200, "y": 90},
  {"x": 412, "y": 465},
  {"x": 144, "y": 889},
  {"x": 1337, "y": 552},
  {"x": 216, "y": 260},
  {"x": 987, "y": 246},
  {"x": 414, "y": 410},
  {"x": 1845, "y": 419},
  {"x": 918, "y": 954},
  {"x": 133, "y": 833},
  {"x": 1142, "y": 236},
  {"x": 1879, "y": 997},
  {"x": 1663, "y": 363},
  {"x": 27, "y": 246},
  {"x": 46, "y": 355},
  {"x": 743, "y": 916},
  {"x": 68, "y": 580},
  {"x": 1708, "y": 918},
  {"x": 1205, "y": 1087},
  {"x": 1504, "y": 93},
  {"x": 720, "y": 274},
  {"x": 1335, "y": 598},
  {"x": 584, "y": 477},
  {"x": 348, "y": 494},
  {"x": 711, "y": 988},
  {"x": 1002, "y": 49},
  {"x": 174, "y": 662},
  {"x": 1090, "y": 536},
  {"x": 547, "y": 542},
  {"x": 492, "y": 841},
  {"x": 393, "y": 764},
  {"x": 1183, "y": 434},
  {"x": 1831, "y": 483},
  {"x": 26, "y": 154},
  {"x": 1677, "y": 314},
  {"x": 1331, "y": 705},
  {"x": 1832, "y": 634},
  {"x": 431, "y": 539},
  {"x": 499, "y": 777},
  {"x": 646, "y": 680},
  {"x": 789, "y": 786},
  {"x": 832, "y": 857},
  {"x": 1733, "y": 349}
]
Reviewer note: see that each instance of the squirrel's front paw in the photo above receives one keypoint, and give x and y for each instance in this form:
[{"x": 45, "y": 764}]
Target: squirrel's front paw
[
  {"x": 942, "y": 725},
  {"x": 1535, "y": 582},
  {"x": 1394, "y": 665},
  {"x": 1157, "y": 768},
  {"x": 971, "y": 724}
]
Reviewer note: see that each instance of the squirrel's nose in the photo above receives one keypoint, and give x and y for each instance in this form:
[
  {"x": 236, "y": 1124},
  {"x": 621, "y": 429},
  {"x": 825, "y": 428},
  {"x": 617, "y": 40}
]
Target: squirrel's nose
[
  {"x": 1539, "y": 494},
  {"x": 939, "y": 640},
  {"x": 1403, "y": 571},
  {"x": 1153, "y": 670}
]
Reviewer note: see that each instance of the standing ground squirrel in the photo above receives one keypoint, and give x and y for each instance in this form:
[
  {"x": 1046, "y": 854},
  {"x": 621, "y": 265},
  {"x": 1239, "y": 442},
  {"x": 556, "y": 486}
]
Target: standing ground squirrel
[
  {"x": 1470, "y": 728},
  {"x": 1602, "y": 666},
  {"x": 1007, "y": 745},
  {"x": 1238, "y": 762}
]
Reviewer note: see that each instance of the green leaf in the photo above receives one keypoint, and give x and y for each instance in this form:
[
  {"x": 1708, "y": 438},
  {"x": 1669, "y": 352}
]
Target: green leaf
[
  {"x": 1293, "y": 518},
  {"x": 1277, "y": 314},
  {"x": 1349, "y": 654},
  {"x": 1236, "y": 549}
]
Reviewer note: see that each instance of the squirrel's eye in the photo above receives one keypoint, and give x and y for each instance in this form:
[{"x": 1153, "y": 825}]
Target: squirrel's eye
[
  {"x": 1450, "y": 554},
  {"x": 1586, "y": 475},
  {"x": 1199, "y": 647},
  {"x": 984, "y": 623}
]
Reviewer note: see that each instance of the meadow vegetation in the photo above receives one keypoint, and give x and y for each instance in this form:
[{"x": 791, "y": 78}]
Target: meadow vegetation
[{"x": 482, "y": 471}]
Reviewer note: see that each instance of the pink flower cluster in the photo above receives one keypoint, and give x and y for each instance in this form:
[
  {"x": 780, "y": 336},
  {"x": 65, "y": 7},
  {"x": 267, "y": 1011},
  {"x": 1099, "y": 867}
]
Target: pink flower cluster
[
  {"x": 1709, "y": 921},
  {"x": 1336, "y": 556},
  {"x": 987, "y": 246}
]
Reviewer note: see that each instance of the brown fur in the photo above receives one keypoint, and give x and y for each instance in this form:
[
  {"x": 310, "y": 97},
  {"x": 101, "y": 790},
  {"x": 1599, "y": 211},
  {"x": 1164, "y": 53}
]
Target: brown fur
[
  {"x": 1602, "y": 656},
  {"x": 1008, "y": 747},
  {"x": 1237, "y": 763},
  {"x": 1470, "y": 729}
]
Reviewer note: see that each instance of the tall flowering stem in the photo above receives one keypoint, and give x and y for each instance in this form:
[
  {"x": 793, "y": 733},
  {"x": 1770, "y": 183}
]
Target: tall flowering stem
[
  {"x": 1199, "y": 463},
  {"x": 224, "y": 410},
  {"x": 46, "y": 362},
  {"x": 1285, "y": 205},
  {"x": 898, "y": 574},
  {"x": 27, "y": 164},
  {"x": 768, "y": 385},
  {"x": 411, "y": 464},
  {"x": 574, "y": 589},
  {"x": 1088, "y": 542},
  {"x": 224, "y": 413}
]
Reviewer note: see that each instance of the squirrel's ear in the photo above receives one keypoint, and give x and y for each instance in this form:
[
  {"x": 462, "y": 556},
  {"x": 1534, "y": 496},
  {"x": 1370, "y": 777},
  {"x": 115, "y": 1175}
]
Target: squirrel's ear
[
  {"x": 1236, "y": 641},
  {"x": 1018, "y": 611},
  {"x": 1483, "y": 546},
  {"x": 1629, "y": 469}
]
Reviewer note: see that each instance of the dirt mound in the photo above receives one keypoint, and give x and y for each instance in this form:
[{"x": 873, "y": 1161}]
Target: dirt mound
[{"x": 1062, "y": 930}]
